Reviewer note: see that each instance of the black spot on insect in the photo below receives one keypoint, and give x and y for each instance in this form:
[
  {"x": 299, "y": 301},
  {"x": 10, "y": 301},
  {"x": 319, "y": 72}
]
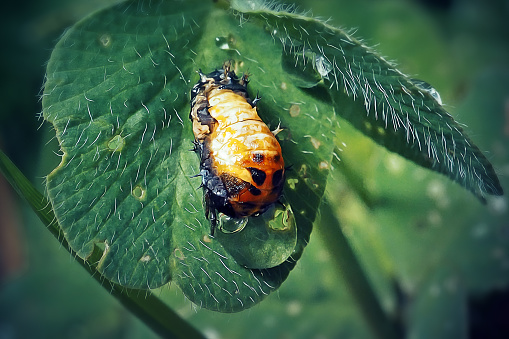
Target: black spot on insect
[
  {"x": 254, "y": 191},
  {"x": 277, "y": 177},
  {"x": 236, "y": 87},
  {"x": 277, "y": 157},
  {"x": 258, "y": 175},
  {"x": 258, "y": 158},
  {"x": 233, "y": 184}
]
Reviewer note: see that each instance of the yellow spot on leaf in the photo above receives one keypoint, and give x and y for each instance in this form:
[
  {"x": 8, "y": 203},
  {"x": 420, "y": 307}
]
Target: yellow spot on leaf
[
  {"x": 323, "y": 165},
  {"x": 116, "y": 143},
  {"x": 316, "y": 143},
  {"x": 139, "y": 192},
  {"x": 105, "y": 40},
  {"x": 294, "y": 110},
  {"x": 292, "y": 183},
  {"x": 303, "y": 170},
  {"x": 179, "y": 254}
]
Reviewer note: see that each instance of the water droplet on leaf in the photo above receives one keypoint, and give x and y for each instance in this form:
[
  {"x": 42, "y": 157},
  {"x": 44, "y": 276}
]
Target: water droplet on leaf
[
  {"x": 423, "y": 85},
  {"x": 322, "y": 66}
]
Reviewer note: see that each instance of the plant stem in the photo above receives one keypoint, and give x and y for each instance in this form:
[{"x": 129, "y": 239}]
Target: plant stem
[
  {"x": 151, "y": 310},
  {"x": 353, "y": 274},
  {"x": 154, "y": 313}
]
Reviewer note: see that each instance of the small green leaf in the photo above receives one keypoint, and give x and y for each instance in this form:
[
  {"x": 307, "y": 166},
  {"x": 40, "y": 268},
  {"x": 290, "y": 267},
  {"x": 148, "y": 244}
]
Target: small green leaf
[
  {"x": 266, "y": 241},
  {"x": 402, "y": 114}
]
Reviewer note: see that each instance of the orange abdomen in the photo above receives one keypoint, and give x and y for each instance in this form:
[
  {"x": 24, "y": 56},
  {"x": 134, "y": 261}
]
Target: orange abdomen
[{"x": 243, "y": 147}]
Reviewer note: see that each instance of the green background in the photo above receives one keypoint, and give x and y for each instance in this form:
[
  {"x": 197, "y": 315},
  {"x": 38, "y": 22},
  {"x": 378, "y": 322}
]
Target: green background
[{"x": 432, "y": 236}]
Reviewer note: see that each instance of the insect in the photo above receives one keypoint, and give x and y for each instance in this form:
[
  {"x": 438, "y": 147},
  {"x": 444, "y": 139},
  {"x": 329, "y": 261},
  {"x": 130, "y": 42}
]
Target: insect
[{"x": 241, "y": 164}]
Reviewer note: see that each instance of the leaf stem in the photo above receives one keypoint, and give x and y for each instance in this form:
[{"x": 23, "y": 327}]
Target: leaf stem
[
  {"x": 353, "y": 274},
  {"x": 151, "y": 310}
]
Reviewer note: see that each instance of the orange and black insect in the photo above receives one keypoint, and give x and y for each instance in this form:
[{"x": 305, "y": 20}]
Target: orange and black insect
[{"x": 241, "y": 164}]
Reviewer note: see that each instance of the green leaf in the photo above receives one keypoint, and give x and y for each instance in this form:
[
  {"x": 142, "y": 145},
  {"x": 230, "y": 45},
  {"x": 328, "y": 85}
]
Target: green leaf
[
  {"x": 265, "y": 241},
  {"x": 404, "y": 115},
  {"x": 440, "y": 247},
  {"x": 107, "y": 82},
  {"x": 117, "y": 94}
]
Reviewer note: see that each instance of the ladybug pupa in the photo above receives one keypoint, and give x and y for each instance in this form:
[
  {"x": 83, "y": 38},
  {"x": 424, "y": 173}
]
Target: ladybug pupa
[{"x": 241, "y": 164}]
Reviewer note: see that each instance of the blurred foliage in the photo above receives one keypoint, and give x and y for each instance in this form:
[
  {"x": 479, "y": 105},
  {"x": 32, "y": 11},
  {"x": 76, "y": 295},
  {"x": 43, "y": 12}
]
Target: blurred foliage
[{"x": 427, "y": 245}]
